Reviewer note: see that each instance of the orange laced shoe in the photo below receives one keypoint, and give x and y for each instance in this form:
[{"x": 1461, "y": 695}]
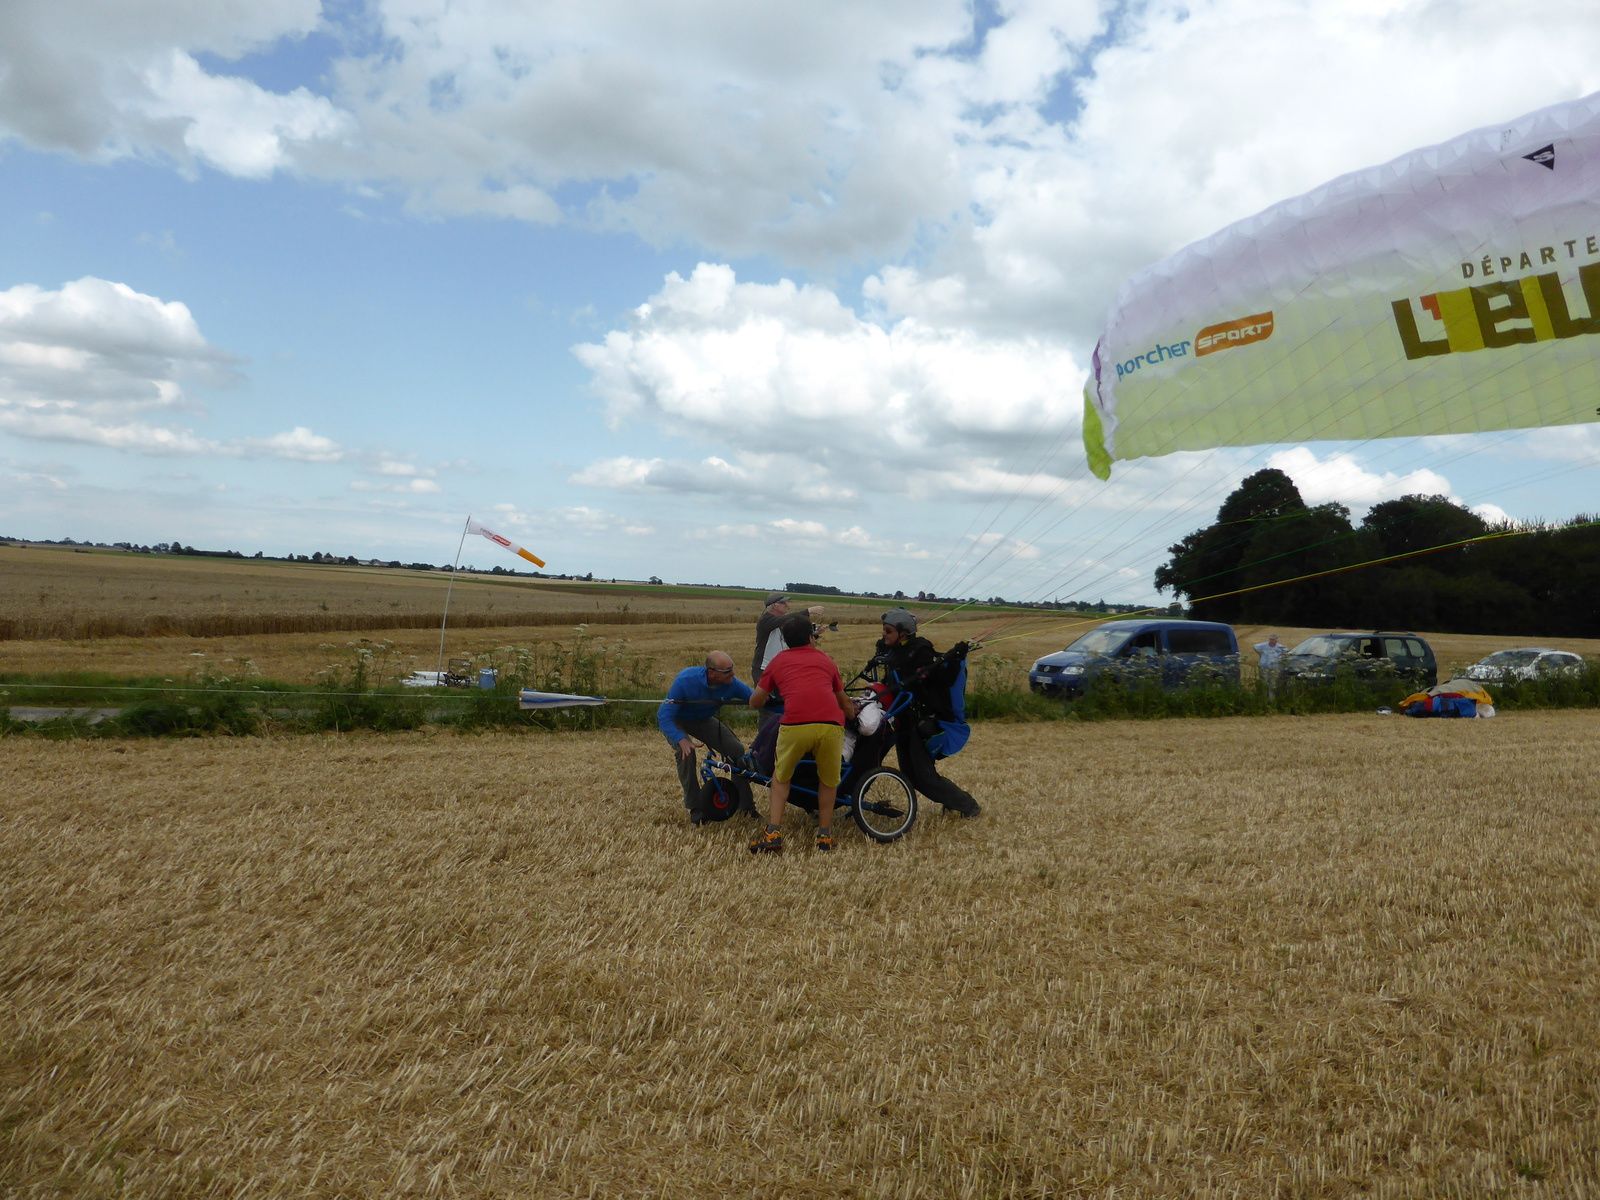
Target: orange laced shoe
[{"x": 768, "y": 841}]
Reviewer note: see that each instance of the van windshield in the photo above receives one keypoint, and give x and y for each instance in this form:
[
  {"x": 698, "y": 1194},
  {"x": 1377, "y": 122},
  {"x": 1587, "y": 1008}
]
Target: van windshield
[
  {"x": 1323, "y": 647},
  {"x": 1099, "y": 641}
]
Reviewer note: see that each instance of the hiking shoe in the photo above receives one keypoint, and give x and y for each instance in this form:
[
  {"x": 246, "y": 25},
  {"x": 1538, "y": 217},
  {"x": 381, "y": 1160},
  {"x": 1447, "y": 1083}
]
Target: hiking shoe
[
  {"x": 970, "y": 810},
  {"x": 825, "y": 842},
  {"x": 768, "y": 841}
]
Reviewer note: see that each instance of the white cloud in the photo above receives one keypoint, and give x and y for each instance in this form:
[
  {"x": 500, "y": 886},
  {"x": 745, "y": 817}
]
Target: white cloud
[
  {"x": 134, "y": 436},
  {"x": 412, "y": 487},
  {"x": 96, "y": 345},
  {"x": 86, "y": 363},
  {"x": 97, "y": 363},
  {"x": 231, "y": 123},
  {"x": 1575, "y": 444},
  {"x": 580, "y": 518},
  {"x": 1172, "y": 141},
  {"x": 770, "y": 478},
  {"x": 802, "y": 535},
  {"x": 1025, "y": 176},
  {"x": 163, "y": 241},
  {"x": 298, "y": 444},
  {"x": 113, "y": 81},
  {"x": 1340, "y": 479},
  {"x": 791, "y": 367},
  {"x": 1016, "y": 548},
  {"x": 37, "y": 480}
]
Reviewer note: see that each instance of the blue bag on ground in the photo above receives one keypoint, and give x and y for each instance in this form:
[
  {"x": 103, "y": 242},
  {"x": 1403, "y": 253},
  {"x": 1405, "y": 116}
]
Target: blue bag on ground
[{"x": 1442, "y": 706}]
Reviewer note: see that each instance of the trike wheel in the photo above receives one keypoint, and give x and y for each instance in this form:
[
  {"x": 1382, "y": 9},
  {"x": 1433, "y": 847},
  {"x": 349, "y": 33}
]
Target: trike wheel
[
  {"x": 721, "y": 797},
  {"x": 885, "y": 805}
]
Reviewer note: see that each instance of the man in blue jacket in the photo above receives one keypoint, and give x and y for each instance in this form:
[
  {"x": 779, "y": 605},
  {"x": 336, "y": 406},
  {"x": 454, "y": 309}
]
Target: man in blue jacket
[{"x": 690, "y": 711}]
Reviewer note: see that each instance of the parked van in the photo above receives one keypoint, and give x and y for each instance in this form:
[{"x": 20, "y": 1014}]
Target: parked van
[
  {"x": 1374, "y": 655},
  {"x": 1171, "y": 653}
]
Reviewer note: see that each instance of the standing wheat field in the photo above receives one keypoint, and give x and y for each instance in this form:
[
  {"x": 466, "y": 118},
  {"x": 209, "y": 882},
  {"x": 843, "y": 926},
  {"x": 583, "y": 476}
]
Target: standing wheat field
[
  {"x": 200, "y": 618},
  {"x": 1303, "y": 957}
]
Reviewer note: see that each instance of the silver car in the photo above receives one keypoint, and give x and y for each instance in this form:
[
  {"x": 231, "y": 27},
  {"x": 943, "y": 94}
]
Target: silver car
[{"x": 1527, "y": 662}]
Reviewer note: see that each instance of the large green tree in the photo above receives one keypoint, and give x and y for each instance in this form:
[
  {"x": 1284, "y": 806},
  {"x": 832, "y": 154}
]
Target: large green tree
[
  {"x": 1269, "y": 559},
  {"x": 1309, "y": 547},
  {"x": 1208, "y": 562},
  {"x": 1418, "y": 523}
]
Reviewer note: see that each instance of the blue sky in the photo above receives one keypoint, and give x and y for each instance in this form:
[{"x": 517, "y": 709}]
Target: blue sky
[{"x": 731, "y": 293}]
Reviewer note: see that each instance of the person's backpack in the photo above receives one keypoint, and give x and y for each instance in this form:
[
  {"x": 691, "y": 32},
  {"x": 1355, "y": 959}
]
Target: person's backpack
[{"x": 947, "y": 736}]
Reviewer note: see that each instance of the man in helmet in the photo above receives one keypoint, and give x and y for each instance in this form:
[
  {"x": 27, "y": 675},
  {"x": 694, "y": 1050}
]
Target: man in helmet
[{"x": 910, "y": 662}]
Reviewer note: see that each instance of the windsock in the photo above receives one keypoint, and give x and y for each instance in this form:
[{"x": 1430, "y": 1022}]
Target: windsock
[
  {"x": 474, "y": 527},
  {"x": 530, "y": 699}
]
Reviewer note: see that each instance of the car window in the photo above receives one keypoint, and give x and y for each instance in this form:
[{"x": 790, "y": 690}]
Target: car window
[
  {"x": 1416, "y": 648},
  {"x": 1198, "y": 641},
  {"x": 1146, "y": 645},
  {"x": 1099, "y": 641},
  {"x": 1511, "y": 658},
  {"x": 1398, "y": 648}
]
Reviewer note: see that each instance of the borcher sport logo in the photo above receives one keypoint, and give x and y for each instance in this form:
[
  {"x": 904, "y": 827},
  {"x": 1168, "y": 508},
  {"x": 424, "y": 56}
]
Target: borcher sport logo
[{"x": 1256, "y": 328}]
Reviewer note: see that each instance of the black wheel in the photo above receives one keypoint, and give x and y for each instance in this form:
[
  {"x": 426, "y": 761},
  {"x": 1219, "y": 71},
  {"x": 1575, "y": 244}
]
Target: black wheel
[
  {"x": 721, "y": 797},
  {"x": 885, "y": 805}
]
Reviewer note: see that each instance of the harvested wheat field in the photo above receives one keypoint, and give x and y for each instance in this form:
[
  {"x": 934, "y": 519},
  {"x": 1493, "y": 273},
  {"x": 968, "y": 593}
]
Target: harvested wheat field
[
  {"x": 193, "y": 619},
  {"x": 1301, "y": 957},
  {"x": 52, "y": 593}
]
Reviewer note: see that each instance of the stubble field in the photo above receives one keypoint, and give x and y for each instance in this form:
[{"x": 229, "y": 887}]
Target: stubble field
[
  {"x": 1348, "y": 955},
  {"x": 1330, "y": 956},
  {"x": 185, "y": 618}
]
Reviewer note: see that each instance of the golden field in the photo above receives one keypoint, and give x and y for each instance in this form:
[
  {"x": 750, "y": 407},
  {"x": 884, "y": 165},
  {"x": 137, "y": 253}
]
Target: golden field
[
  {"x": 1332, "y": 956},
  {"x": 1314, "y": 957},
  {"x": 184, "y": 617}
]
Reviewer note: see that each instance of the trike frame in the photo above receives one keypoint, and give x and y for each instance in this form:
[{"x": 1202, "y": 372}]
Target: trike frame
[{"x": 879, "y": 799}]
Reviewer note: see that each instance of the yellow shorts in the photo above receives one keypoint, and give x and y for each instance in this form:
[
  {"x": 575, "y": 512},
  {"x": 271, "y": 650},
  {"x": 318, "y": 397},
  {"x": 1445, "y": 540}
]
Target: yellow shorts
[{"x": 824, "y": 742}]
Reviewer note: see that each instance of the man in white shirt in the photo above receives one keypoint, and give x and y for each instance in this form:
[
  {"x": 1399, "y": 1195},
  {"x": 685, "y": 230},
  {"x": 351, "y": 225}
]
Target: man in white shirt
[{"x": 1271, "y": 652}]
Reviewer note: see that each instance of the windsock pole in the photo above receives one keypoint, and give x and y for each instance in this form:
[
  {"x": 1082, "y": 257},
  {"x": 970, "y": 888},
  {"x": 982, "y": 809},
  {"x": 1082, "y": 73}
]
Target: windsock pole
[{"x": 454, "y": 567}]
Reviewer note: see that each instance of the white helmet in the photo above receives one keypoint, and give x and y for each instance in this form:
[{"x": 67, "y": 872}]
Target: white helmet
[{"x": 899, "y": 618}]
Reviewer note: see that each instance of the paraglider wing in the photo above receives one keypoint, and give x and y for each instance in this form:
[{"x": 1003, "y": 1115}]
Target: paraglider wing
[{"x": 1453, "y": 290}]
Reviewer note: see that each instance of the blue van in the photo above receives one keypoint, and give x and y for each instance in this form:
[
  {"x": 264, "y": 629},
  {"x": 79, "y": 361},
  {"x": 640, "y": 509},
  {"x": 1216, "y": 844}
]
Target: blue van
[{"x": 1172, "y": 654}]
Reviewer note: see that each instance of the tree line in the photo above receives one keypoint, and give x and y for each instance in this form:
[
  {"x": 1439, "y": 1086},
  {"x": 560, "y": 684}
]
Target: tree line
[{"x": 1419, "y": 562}]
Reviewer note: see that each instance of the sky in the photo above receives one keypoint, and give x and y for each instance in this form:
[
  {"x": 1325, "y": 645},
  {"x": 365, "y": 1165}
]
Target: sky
[{"x": 713, "y": 291}]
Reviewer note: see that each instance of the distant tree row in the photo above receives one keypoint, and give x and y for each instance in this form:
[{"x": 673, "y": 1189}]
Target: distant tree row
[
  {"x": 812, "y": 589},
  {"x": 1419, "y": 562},
  {"x": 320, "y": 557}
]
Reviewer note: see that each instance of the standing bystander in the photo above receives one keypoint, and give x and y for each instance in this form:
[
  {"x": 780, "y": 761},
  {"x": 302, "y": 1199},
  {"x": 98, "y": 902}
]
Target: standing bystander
[
  {"x": 815, "y": 709},
  {"x": 1271, "y": 652}
]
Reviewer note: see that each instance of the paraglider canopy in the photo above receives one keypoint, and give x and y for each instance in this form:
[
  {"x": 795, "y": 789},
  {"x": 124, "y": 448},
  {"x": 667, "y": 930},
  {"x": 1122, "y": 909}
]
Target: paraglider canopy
[{"x": 1453, "y": 290}]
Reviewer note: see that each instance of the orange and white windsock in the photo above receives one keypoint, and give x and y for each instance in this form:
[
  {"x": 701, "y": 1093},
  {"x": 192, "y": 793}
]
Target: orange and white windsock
[{"x": 474, "y": 527}]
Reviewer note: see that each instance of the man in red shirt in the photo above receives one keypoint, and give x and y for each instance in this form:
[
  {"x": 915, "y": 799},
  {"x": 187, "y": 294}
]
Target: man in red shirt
[{"x": 815, "y": 708}]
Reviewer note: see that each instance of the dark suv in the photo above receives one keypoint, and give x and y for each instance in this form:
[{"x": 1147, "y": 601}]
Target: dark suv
[
  {"x": 1170, "y": 654},
  {"x": 1376, "y": 655}
]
